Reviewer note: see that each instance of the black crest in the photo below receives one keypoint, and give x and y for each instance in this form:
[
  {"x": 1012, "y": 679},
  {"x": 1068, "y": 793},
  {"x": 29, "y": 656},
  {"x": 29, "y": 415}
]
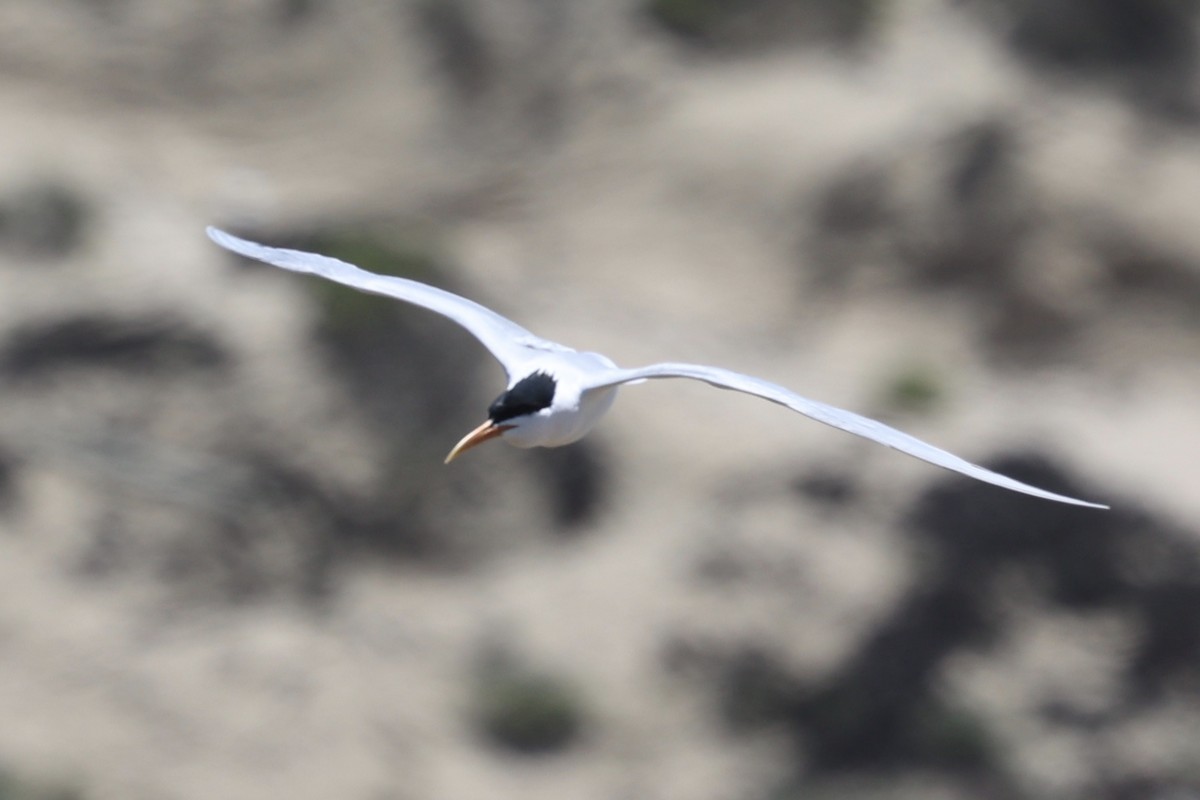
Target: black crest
[{"x": 527, "y": 396}]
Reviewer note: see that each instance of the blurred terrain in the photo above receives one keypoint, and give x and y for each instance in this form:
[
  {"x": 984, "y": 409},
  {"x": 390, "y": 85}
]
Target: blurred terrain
[{"x": 232, "y": 563}]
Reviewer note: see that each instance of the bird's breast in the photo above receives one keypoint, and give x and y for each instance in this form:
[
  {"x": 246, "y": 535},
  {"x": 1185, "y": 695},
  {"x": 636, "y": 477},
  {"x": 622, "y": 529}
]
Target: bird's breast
[{"x": 563, "y": 424}]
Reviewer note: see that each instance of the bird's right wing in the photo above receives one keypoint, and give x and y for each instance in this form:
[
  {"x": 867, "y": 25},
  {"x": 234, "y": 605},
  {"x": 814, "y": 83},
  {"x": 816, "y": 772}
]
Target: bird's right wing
[
  {"x": 511, "y": 344},
  {"x": 837, "y": 417}
]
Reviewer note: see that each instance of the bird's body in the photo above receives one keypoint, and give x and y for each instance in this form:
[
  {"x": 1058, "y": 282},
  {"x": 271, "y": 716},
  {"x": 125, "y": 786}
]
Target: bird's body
[
  {"x": 574, "y": 409},
  {"x": 556, "y": 395}
]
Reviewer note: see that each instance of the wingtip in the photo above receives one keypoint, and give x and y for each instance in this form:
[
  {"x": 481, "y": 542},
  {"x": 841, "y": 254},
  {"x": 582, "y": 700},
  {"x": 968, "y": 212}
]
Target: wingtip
[
  {"x": 233, "y": 243},
  {"x": 1033, "y": 491},
  {"x": 1086, "y": 504},
  {"x": 217, "y": 235}
]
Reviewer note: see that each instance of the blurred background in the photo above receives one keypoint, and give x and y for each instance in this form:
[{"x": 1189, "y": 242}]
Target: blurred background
[{"x": 231, "y": 561}]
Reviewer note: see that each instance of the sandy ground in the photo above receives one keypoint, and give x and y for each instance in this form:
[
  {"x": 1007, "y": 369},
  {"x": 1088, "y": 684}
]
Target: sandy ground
[{"x": 611, "y": 188}]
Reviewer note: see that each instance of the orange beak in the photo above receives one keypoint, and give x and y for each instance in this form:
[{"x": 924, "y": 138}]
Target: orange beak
[{"x": 488, "y": 430}]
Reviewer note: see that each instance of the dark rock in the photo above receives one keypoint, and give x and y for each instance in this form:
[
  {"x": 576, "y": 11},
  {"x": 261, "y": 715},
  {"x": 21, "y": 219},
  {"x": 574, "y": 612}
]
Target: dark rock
[
  {"x": 44, "y": 220},
  {"x": 99, "y": 340},
  {"x": 576, "y": 481}
]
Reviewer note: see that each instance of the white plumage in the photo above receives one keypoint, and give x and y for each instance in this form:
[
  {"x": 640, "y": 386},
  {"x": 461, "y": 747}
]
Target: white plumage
[{"x": 555, "y": 395}]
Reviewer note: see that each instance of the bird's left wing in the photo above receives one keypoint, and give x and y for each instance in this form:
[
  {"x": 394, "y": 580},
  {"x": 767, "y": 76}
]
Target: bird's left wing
[
  {"x": 838, "y": 418},
  {"x": 511, "y": 344}
]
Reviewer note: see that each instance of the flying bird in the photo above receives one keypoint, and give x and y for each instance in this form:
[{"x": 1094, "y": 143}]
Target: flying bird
[{"x": 556, "y": 395}]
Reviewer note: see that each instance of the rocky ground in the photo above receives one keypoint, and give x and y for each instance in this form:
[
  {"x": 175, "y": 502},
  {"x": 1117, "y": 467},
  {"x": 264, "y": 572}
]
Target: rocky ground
[{"x": 232, "y": 564}]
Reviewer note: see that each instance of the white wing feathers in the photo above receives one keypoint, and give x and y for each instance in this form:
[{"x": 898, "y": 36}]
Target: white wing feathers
[
  {"x": 838, "y": 418},
  {"x": 511, "y": 344}
]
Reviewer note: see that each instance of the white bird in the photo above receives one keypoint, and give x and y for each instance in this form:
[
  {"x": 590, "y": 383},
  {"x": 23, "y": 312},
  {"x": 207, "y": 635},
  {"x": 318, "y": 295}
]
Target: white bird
[{"x": 556, "y": 395}]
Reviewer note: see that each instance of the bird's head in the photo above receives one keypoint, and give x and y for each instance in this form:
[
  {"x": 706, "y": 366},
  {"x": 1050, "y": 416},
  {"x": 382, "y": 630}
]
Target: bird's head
[{"x": 518, "y": 413}]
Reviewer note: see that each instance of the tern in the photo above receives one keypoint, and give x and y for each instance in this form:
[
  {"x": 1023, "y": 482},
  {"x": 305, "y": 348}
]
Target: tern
[{"x": 556, "y": 395}]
